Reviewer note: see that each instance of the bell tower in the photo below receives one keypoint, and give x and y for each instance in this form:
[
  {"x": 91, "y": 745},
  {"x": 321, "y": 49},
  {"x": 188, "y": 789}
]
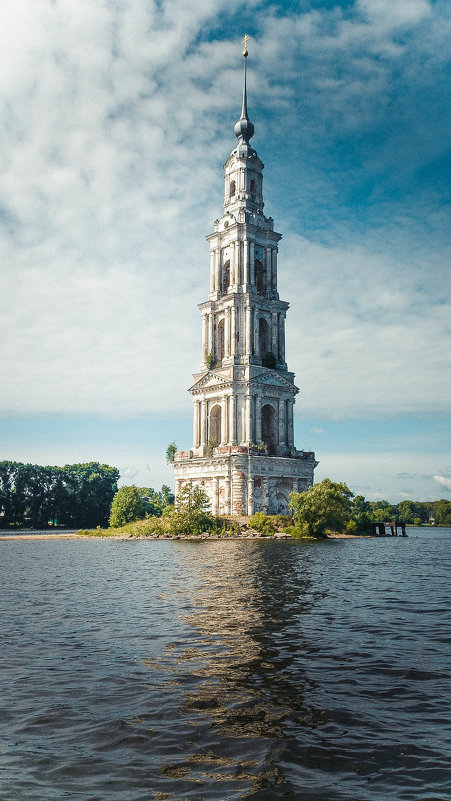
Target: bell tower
[{"x": 243, "y": 450}]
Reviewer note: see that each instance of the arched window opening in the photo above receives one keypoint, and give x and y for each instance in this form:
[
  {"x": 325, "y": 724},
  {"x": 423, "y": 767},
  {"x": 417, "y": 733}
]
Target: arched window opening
[
  {"x": 214, "y": 433},
  {"x": 260, "y": 277},
  {"x": 232, "y": 188},
  {"x": 263, "y": 337},
  {"x": 226, "y": 276},
  {"x": 253, "y": 187},
  {"x": 220, "y": 352},
  {"x": 269, "y": 432}
]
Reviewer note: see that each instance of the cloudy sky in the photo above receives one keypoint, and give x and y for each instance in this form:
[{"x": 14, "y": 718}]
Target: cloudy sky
[{"x": 117, "y": 116}]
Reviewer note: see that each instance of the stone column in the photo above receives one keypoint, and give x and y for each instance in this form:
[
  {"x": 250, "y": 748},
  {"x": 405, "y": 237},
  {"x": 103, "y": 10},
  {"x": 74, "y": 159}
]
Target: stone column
[
  {"x": 274, "y": 332},
  {"x": 227, "y": 493},
  {"x": 256, "y": 342},
  {"x": 265, "y": 495},
  {"x": 233, "y": 348},
  {"x": 247, "y": 419},
  {"x": 217, "y": 269},
  {"x": 249, "y": 331},
  {"x": 232, "y": 266},
  {"x": 290, "y": 425},
  {"x": 226, "y": 332},
  {"x": 268, "y": 269},
  {"x": 245, "y": 262},
  {"x": 287, "y": 415},
  {"x": 274, "y": 269},
  {"x": 258, "y": 419},
  {"x": 203, "y": 422},
  {"x": 204, "y": 336},
  {"x": 250, "y": 496},
  {"x": 212, "y": 270},
  {"x": 223, "y": 421},
  {"x": 210, "y": 333},
  {"x": 237, "y": 263},
  {"x": 252, "y": 263},
  {"x": 215, "y": 503},
  {"x": 196, "y": 424},
  {"x": 232, "y": 420},
  {"x": 281, "y": 417},
  {"x": 282, "y": 337}
]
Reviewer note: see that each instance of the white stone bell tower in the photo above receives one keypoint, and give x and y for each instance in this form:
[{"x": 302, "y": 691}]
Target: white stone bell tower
[{"x": 243, "y": 450}]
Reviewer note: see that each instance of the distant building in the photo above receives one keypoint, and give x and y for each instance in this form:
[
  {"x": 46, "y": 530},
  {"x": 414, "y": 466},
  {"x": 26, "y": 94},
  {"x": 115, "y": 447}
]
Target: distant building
[{"x": 243, "y": 450}]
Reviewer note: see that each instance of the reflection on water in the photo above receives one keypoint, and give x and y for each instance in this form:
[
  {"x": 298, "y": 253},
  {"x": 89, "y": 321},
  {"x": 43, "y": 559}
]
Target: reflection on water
[
  {"x": 190, "y": 671},
  {"x": 245, "y": 692}
]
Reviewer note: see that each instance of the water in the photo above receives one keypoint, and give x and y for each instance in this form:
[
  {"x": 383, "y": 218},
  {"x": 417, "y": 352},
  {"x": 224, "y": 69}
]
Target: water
[{"x": 261, "y": 670}]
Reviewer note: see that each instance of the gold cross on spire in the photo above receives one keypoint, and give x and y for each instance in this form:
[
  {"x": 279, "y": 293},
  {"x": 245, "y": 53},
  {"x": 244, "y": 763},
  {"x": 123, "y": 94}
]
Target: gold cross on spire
[{"x": 245, "y": 41}]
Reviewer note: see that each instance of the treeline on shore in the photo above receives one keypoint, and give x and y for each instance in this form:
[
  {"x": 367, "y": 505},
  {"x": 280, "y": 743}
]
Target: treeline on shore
[
  {"x": 75, "y": 496},
  {"x": 417, "y": 513}
]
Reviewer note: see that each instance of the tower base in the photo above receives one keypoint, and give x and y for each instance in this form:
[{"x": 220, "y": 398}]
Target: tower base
[{"x": 241, "y": 481}]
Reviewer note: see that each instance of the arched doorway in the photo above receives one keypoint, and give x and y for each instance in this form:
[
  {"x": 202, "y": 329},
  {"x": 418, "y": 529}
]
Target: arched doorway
[
  {"x": 269, "y": 428},
  {"x": 263, "y": 337},
  {"x": 260, "y": 277},
  {"x": 220, "y": 352},
  {"x": 214, "y": 432}
]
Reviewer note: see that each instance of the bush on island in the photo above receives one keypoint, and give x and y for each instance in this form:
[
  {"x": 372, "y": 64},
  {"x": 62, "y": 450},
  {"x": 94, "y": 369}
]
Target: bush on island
[
  {"x": 126, "y": 507},
  {"x": 192, "y": 512},
  {"x": 262, "y": 523},
  {"x": 326, "y": 505}
]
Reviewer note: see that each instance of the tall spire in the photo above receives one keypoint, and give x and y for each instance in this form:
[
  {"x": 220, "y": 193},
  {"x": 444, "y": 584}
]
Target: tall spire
[{"x": 244, "y": 129}]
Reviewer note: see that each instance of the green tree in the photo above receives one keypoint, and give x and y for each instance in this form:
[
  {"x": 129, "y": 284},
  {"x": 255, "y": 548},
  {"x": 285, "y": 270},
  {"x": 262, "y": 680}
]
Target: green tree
[
  {"x": 210, "y": 447},
  {"x": 325, "y": 505},
  {"x": 126, "y": 507},
  {"x": 90, "y": 489},
  {"x": 8, "y": 473},
  {"x": 409, "y": 511},
  {"x": 35, "y": 485},
  {"x": 382, "y": 511},
  {"x": 361, "y": 515},
  {"x": 442, "y": 512},
  {"x": 171, "y": 450},
  {"x": 155, "y": 502},
  {"x": 167, "y": 496},
  {"x": 192, "y": 511}
]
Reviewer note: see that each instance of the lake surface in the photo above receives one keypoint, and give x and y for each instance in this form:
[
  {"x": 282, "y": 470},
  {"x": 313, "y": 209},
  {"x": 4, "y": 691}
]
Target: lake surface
[{"x": 182, "y": 671}]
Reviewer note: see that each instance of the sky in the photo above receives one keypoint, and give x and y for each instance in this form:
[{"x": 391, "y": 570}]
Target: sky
[{"x": 116, "y": 120}]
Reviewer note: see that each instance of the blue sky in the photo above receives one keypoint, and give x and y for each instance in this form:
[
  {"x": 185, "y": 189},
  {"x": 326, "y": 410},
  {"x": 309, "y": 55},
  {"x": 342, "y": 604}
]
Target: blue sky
[{"x": 117, "y": 119}]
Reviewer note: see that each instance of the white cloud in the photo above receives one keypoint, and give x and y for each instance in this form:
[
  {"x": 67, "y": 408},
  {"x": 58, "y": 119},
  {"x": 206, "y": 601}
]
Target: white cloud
[
  {"x": 389, "y": 15},
  {"x": 362, "y": 340},
  {"x": 128, "y": 474},
  {"x": 443, "y": 481}
]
